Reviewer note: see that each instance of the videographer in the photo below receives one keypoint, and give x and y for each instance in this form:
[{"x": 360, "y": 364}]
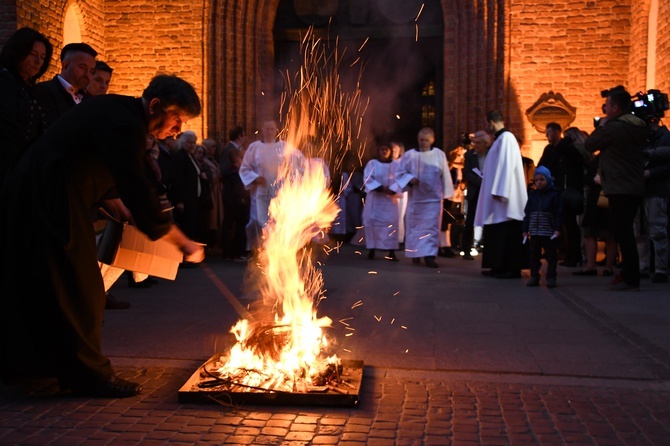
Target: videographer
[{"x": 620, "y": 138}]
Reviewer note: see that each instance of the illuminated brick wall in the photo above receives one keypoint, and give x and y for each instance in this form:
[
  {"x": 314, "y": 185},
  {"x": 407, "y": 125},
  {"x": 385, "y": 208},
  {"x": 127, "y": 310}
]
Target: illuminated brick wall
[{"x": 497, "y": 54}]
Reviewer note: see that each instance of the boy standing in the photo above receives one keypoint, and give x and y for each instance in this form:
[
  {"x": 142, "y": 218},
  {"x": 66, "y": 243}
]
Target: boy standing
[
  {"x": 424, "y": 174},
  {"x": 542, "y": 224}
]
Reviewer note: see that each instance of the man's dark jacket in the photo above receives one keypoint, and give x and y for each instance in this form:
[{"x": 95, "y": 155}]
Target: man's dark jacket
[
  {"x": 52, "y": 295},
  {"x": 54, "y": 99},
  {"x": 621, "y": 143}
]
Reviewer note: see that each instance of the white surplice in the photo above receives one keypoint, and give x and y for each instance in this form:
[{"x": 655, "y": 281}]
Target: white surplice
[
  {"x": 424, "y": 199},
  {"x": 503, "y": 177},
  {"x": 263, "y": 160},
  {"x": 380, "y": 213}
]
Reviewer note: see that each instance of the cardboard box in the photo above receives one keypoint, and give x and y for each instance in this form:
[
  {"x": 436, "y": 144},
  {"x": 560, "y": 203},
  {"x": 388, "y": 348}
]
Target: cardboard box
[{"x": 136, "y": 252}]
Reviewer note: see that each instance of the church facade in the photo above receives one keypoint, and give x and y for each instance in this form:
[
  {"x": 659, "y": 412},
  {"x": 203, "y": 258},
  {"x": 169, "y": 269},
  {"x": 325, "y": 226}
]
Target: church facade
[{"x": 442, "y": 63}]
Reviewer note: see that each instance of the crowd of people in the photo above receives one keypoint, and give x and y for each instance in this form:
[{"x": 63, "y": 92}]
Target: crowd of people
[
  {"x": 608, "y": 188},
  {"x": 73, "y": 155}
]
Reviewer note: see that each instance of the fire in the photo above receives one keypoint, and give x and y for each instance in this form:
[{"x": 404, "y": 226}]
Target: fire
[
  {"x": 284, "y": 353},
  {"x": 284, "y": 347}
]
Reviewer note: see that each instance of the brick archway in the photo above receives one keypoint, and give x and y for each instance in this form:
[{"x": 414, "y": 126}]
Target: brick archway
[{"x": 239, "y": 63}]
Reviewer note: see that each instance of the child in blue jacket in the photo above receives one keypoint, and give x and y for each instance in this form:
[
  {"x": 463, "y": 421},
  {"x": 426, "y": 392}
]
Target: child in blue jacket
[{"x": 542, "y": 225}]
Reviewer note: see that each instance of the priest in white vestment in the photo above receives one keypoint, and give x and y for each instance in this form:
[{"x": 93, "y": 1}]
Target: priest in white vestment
[
  {"x": 424, "y": 174},
  {"x": 259, "y": 172},
  {"x": 501, "y": 202}
]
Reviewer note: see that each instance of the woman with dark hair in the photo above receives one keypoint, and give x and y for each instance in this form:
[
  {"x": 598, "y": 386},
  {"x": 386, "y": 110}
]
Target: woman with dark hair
[{"x": 24, "y": 58}]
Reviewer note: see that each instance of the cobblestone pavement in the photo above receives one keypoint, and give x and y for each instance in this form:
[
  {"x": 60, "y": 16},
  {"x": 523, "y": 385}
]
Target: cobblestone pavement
[
  {"x": 395, "y": 409},
  {"x": 493, "y": 363}
]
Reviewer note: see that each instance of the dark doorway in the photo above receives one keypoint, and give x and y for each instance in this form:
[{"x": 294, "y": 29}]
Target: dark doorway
[{"x": 400, "y": 50}]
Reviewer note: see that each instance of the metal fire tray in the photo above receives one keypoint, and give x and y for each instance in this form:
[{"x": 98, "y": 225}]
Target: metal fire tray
[{"x": 342, "y": 393}]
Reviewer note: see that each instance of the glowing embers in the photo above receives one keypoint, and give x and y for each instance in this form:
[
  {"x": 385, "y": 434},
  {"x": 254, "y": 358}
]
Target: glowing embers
[{"x": 338, "y": 384}]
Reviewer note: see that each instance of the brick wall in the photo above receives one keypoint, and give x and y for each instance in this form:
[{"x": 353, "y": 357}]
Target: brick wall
[
  {"x": 48, "y": 18},
  {"x": 663, "y": 47},
  {"x": 146, "y": 38},
  {"x": 497, "y": 54}
]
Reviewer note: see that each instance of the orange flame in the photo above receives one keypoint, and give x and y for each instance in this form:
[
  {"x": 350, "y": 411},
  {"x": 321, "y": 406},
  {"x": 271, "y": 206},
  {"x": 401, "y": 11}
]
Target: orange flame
[{"x": 283, "y": 348}]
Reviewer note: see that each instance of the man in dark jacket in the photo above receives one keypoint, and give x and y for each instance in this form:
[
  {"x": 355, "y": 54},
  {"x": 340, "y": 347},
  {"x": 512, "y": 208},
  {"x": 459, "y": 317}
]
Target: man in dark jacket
[
  {"x": 652, "y": 222},
  {"x": 51, "y": 291},
  {"x": 65, "y": 90},
  {"x": 620, "y": 138}
]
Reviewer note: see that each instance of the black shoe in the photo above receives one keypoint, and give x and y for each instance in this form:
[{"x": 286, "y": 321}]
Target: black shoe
[
  {"x": 146, "y": 283},
  {"x": 490, "y": 273},
  {"x": 112, "y": 387},
  {"x": 112, "y": 304},
  {"x": 430, "y": 262},
  {"x": 659, "y": 278},
  {"x": 533, "y": 281},
  {"x": 391, "y": 257},
  {"x": 371, "y": 254},
  {"x": 468, "y": 256},
  {"x": 446, "y": 252}
]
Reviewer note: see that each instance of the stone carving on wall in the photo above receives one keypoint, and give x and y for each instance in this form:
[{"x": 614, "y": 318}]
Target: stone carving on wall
[{"x": 551, "y": 107}]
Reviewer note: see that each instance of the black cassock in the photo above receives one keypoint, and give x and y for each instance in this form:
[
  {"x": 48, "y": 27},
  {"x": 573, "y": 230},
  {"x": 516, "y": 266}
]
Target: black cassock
[{"x": 53, "y": 299}]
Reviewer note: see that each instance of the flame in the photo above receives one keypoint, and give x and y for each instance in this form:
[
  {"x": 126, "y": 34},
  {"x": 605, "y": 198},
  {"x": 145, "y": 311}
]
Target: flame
[{"x": 283, "y": 347}]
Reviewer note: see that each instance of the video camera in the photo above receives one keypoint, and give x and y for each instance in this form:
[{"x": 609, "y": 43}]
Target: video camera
[{"x": 649, "y": 106}]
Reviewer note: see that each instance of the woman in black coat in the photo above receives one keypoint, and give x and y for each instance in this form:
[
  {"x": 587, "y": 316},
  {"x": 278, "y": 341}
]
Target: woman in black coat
[{"x": 24, "y": 58}]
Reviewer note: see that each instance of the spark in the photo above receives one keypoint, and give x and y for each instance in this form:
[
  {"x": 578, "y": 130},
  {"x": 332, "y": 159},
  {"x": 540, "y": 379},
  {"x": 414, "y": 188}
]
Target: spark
[
  {"x": 355, "y": 61},
  {"x": 420, "y": 11},
  {"x": 372, "y": 272},
  {"x": 357, "y": 304},
  {"x": 348, "y": 334},
  {"x": 396, "y": 293},
  {"x": 358, "y": 252},
  {"x": 361, "y": 47},
  {"x": 397, "y": 117},
  {"x": 346, "y": 350},
  {"x": 403, "y": 327},
  {"x": 392, "y": 321},
  {"x": 424, "y": 236},
  {"x": 379, "y": 318},
  {"x": 407, "y": 351},
  {"x": 344, "y": 321},
  {"x": 350, "y": 328}
]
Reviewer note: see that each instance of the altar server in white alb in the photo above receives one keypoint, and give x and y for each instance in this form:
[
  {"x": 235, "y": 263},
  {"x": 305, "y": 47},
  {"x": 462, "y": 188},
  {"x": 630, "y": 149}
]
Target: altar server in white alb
[
  {"x": 424, "y": 174},
  {"x": 380, "y": 214},
  {"x": 260, "y": 171},
  {"x": 501, "y": 202}
]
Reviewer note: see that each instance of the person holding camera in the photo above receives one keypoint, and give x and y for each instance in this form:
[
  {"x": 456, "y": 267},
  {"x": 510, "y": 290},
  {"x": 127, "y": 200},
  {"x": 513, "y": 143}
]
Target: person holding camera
[{"x": 620, "y": 138}]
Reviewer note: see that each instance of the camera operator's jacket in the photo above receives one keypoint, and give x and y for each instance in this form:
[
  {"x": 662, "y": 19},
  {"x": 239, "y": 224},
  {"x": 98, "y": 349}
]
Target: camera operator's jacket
[{"x": 621, "y": 142}]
